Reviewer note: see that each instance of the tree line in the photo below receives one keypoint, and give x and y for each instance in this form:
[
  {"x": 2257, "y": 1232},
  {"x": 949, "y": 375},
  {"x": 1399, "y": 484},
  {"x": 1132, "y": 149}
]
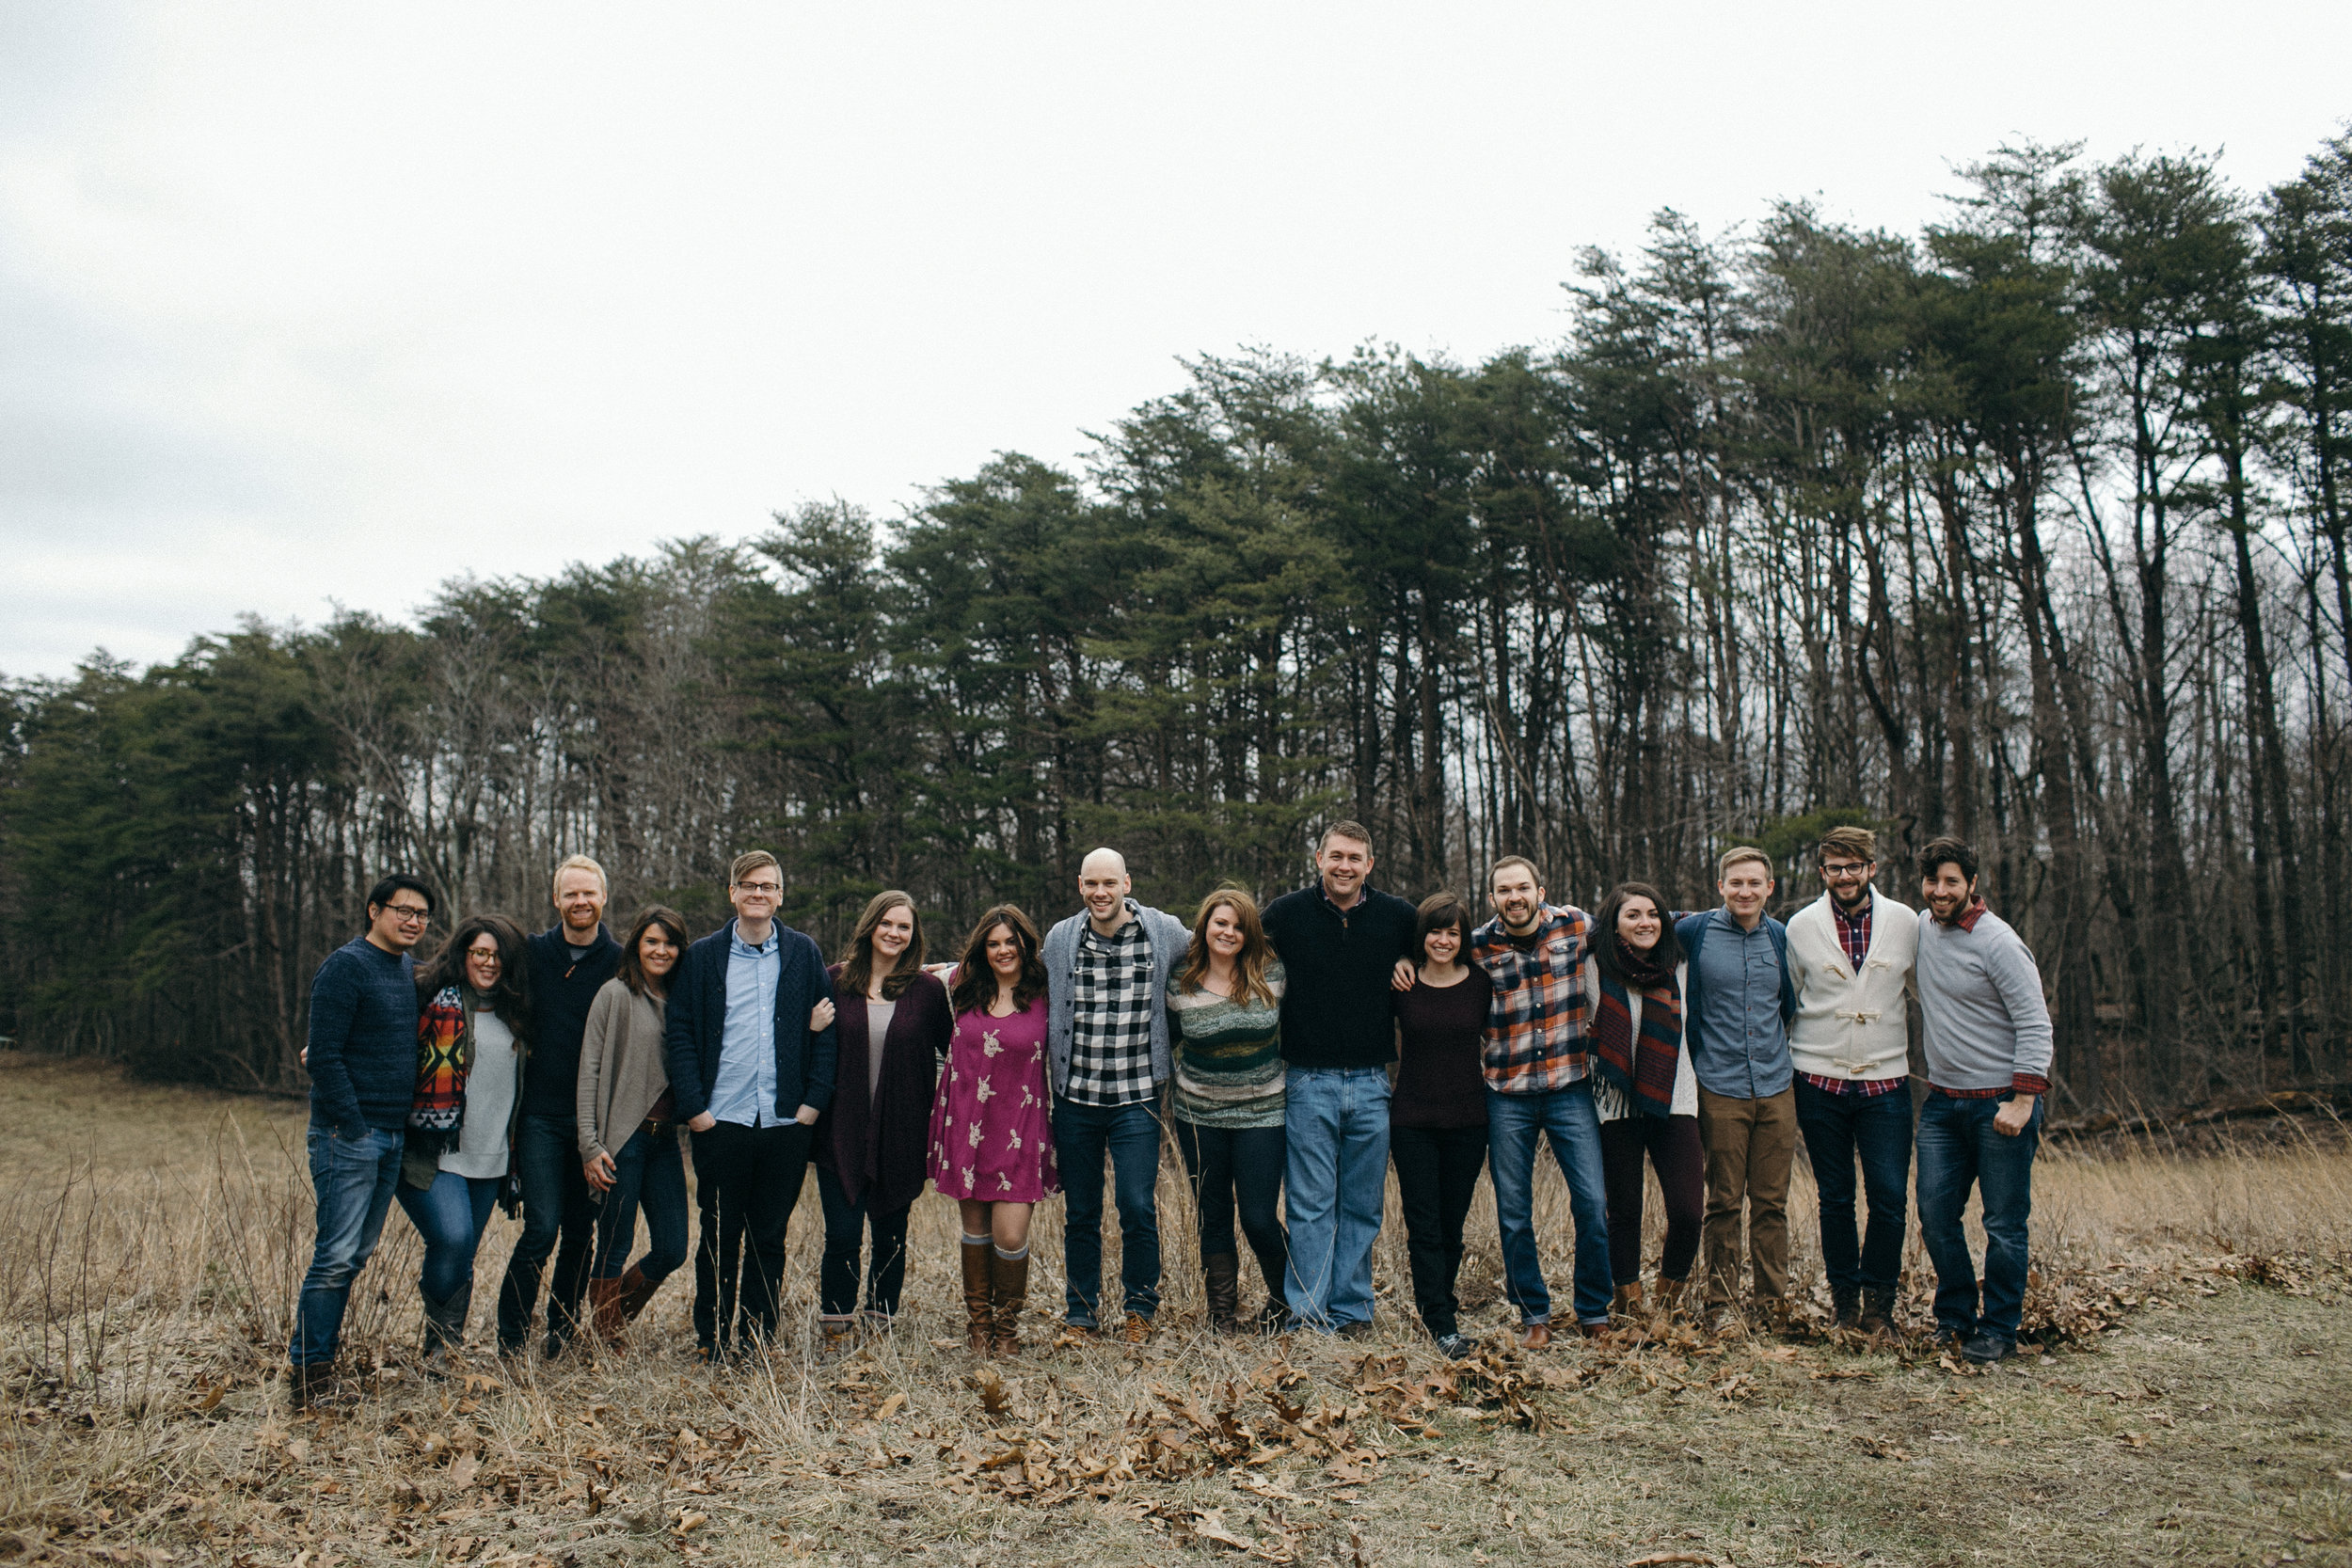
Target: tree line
[{"x": 2031, "y": 528}]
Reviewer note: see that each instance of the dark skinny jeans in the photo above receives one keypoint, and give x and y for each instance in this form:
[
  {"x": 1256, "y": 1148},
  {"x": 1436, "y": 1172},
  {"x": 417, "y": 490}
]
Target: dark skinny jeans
[
  {"x": 846, "y": 1224},
  {"x": 1674, "y": 1153},
  {"x": 1437, "y": 1176},
  {"x": 1239, "y": 1167},
  {"x": 746, "y": 1181}
]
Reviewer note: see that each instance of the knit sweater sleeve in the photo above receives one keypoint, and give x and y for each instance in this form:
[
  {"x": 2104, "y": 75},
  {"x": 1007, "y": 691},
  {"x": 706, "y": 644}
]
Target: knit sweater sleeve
[
  {"x": 334, "y": 1003},
  {"x": 2010, "y": 966},
  {"x": 606, "y": 1014}
]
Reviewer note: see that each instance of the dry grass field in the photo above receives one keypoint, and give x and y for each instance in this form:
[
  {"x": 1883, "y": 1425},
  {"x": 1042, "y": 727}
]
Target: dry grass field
[{"x": 2192, "y": 1402}]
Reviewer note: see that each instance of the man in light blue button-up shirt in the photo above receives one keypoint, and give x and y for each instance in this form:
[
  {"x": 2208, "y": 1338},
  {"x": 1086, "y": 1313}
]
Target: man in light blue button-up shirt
[
  {"x": 745, "y": 1092},
  {"x": 1739, "y": 1001}
]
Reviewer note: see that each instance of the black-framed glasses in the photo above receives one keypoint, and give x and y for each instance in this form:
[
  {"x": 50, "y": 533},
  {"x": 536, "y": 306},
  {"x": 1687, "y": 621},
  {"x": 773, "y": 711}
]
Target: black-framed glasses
[
  {"x": 1845, "y": 869},
  {"x": 770, "y": 889},
  {"x": 409, "y": 914}
]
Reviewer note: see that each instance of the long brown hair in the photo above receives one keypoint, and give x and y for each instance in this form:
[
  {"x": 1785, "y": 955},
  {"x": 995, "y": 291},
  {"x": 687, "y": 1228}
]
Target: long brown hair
[
  {"x": 975, "y": 983},
  {"x": 632, "y": 970},
  {"x": 1249, "y": 964},
  {"x": 509, "y": 999},
  {"x": 1664, "y": 957},
  {"x": 857, "y": 963}
]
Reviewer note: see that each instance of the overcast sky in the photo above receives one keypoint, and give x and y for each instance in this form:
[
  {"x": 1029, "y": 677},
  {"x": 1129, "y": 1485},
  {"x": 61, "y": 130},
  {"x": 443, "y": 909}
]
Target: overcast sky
[{"x": 304, "y": 304}]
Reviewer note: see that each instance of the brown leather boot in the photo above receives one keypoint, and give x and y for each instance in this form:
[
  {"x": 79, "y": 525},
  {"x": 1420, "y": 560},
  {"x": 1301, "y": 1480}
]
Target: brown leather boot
[
  {"x": 1626, "y": 1306},
  {"x": 1008, "y": 1285},
  {"x": 605, "y": 1316},
  {"x": 635, "y": 1293},
  {"x": 1220, "y": 1280},
  {"x": 1666, "y": 1300},
  {"x": 976, "y": 1295}
]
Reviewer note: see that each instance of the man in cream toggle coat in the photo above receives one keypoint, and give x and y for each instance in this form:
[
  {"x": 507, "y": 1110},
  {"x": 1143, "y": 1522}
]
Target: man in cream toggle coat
[{"x": 1850, "y": 953}]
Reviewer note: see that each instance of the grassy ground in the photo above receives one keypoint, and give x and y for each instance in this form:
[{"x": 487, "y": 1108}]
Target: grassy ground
[{"x": 2194, "y": 1403}]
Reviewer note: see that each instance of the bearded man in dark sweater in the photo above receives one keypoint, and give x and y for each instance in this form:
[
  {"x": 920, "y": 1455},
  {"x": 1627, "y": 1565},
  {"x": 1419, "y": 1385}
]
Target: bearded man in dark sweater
[
  {"x": 362, "y": 1059},
  {"x": 1340, "y": 941},
  {"x": 568, "y": 963}
]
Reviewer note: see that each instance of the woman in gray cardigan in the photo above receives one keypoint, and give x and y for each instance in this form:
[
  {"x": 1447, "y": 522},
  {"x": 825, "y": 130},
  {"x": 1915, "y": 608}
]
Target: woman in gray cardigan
[{"x": 628, "y": 1134}]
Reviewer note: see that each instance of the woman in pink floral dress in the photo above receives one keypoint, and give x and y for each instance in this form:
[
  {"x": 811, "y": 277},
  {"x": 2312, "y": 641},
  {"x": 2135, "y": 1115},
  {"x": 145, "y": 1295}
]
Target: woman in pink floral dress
[{"x": 991, "y": 1126}]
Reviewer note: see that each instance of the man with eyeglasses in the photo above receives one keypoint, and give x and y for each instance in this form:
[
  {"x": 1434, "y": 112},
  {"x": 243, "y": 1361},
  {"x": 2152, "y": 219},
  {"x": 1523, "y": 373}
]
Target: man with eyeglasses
[
  {"x": 752, "y": 1052},
  {"x": 362, "y": 1058},
  {"x": 1851, "y": 956}
]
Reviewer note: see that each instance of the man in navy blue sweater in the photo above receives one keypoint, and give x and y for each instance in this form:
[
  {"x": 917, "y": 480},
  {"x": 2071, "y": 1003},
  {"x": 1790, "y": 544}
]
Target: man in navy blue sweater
[
  {"x": 362, "y": 1056},
  {"x": 752, "y": 1052},
  {"x": 569, "y": 962}
]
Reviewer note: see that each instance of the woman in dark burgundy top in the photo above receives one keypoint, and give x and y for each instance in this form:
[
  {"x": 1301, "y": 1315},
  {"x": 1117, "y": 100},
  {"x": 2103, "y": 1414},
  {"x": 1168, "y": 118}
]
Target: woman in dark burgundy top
[
  {"x": 1438, "y": 1116},
  {"x": 873, "y": 1141}
]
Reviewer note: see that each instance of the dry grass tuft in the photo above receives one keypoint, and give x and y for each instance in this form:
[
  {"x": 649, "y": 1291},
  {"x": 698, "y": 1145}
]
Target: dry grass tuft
[{"x": 152, "y": 1241}]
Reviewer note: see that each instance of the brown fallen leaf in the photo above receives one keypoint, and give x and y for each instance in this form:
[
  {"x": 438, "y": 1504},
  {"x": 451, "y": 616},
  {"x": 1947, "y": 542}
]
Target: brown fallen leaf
[
  {"x": 1209, "y": 1523},
  {"x": 890, "y": 1407},
  {"x": 462, "y": 1473}
]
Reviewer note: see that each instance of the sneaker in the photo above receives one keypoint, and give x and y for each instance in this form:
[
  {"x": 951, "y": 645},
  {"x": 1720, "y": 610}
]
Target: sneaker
[
  {"x": 1985, "y": 1348},
  {"x": 1137, "y": 1330},
  {"x": 1361, "y": 1329},
  {"x": 1456, "y": 1347}
]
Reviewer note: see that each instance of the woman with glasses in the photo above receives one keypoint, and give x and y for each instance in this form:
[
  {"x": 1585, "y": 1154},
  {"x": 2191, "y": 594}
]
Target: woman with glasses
[
  {"x": 474, "y": 1020},
  {"x": 628, "y": 1126}
]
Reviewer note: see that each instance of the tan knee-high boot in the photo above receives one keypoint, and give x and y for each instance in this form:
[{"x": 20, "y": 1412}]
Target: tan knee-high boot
[
  {"x": 1008, "y": 1285},
  {"x": 976, "y": 1306}
]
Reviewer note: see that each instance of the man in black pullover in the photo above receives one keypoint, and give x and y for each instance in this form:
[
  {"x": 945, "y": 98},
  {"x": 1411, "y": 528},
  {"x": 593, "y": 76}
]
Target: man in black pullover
[
  {"x": 569, "y": 962},
  {"x": 1340, "y": 941},
  {"x": 362, "y": 1059}
]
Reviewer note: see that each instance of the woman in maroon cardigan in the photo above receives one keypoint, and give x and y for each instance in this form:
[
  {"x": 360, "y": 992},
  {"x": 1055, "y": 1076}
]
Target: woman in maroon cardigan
[{"x": 872, "y": 1142}]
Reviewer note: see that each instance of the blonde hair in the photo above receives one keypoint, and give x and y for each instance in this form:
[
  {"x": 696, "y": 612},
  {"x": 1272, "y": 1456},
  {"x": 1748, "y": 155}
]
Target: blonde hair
[
  {"x": 1744, "y": 852},
  {"x": 578, "y": 863},
  {"x": 750, "y": 861}
]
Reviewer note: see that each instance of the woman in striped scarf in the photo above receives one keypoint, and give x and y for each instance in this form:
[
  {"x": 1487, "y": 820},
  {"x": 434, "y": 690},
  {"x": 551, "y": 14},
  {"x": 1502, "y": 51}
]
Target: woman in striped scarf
[
  {"x": 474, "y": 1020},
  {"x": 1644, "y": 1089}
]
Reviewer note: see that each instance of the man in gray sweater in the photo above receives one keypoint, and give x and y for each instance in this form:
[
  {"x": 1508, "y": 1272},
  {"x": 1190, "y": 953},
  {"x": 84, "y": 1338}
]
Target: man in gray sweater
[{"x": 1987, "y": 1036}]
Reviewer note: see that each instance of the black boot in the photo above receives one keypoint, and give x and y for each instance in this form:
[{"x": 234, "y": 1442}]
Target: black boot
[
  {"x": 1845, "y": 1305},
  {"x": 1878, "y": 1310},
  {"x": 1221, "y": 1281},
  {"x": 445, "y": 1328}
]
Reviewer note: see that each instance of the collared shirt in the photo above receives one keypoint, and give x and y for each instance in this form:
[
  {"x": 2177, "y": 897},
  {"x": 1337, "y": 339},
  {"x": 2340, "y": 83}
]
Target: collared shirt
[
  {"x": 1535, "y": 1023},
  {"x": 745, "y": 1090},
  {"x": 1111, "y": 987},
  {"x": 1854, "y": 932},
  {"x": 1738, "y": 1041}
]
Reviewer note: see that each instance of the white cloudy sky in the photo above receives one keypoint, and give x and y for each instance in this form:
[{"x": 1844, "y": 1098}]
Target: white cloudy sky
[{"x": 308, "y": 304}]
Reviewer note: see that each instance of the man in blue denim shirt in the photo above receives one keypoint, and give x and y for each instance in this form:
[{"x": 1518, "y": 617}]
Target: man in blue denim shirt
[
  {"x": 362, "y": 1059},
  {"x": 1739, "y": 1003}
]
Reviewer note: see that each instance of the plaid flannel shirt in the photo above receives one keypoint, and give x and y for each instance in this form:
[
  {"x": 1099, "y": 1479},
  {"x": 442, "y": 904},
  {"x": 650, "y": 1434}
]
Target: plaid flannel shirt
[
  {"x": 1110, "y": 993},
  {"x": 1536, "y": 1025}
]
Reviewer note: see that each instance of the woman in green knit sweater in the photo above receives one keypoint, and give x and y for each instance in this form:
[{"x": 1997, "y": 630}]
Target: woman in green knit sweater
[{"x": 1224, "y": 1013}]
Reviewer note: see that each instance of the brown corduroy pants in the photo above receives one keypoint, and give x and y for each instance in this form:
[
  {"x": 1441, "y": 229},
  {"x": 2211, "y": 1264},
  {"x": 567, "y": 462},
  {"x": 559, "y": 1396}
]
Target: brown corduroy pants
[{"x": 1751, "y": 1145}]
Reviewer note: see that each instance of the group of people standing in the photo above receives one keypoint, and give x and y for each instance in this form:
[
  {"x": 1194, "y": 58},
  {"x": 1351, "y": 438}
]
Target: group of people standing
[{"x": 1294, "y": 1053}]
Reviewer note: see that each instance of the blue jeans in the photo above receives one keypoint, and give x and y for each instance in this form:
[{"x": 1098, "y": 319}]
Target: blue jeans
[
  {"x": 1959, "y": 1148},
  {"x": 1130, "y": 1134},
  {"x": 1336, "y": 1183},
  {"x": 1838, "y": 1128},
  {"x": 449, "y": 1215},
  {"x": 1515, "y": 1124},
  {"x": 651, "y": 1174},
  {"x": 354, "y": 1178},
  {"x": 558, "y": 1206}
]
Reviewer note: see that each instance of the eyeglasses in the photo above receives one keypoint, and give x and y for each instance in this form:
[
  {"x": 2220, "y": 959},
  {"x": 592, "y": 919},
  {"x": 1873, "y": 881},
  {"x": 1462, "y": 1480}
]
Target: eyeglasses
[
  {"x": 770, "y": 889},
  {"x": 482, "y": 955},
  {"x": 1844, "y": 870},
  {"x": 409, "y": 914}
]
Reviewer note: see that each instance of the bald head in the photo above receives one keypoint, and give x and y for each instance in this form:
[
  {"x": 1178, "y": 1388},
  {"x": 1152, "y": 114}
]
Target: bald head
[{"x": 1102, "y": 884}]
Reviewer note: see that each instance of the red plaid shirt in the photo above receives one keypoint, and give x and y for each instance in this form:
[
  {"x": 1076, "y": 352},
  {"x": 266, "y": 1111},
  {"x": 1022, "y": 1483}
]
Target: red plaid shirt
[{"x": 1536, "y": 1025}]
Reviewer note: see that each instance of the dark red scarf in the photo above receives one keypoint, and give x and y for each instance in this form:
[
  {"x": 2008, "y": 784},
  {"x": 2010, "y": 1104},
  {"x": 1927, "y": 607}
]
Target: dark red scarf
[{"x": 1641, "y": 1064}]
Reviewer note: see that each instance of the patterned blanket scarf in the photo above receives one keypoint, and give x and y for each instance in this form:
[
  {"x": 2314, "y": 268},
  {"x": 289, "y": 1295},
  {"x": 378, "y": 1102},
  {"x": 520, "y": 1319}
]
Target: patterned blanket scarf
[
  {"x": 444, "y": 1057},
  {"x": 1641, "y": 1064}
]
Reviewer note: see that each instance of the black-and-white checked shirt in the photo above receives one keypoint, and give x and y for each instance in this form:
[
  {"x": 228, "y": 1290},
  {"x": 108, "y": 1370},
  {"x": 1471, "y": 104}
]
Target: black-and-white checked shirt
[{"x": 1111, "y": 987}]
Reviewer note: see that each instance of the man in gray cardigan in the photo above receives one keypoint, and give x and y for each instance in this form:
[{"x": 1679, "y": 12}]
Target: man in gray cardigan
[{"x": 1107, "y": 1047}]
